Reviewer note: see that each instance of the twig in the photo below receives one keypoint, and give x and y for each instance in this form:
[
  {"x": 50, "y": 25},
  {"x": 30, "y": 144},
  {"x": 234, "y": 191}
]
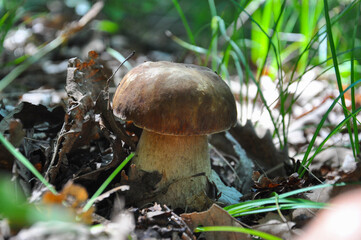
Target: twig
[
  {"x": 120, "y": 65},
  {"x": 116, "y": 70}
]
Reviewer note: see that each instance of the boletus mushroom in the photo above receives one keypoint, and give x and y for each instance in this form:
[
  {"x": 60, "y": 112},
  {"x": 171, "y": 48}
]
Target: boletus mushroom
[{"x": 176, "y": 105}]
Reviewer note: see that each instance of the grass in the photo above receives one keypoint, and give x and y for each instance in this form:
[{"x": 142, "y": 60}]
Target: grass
[
  {"x": 229, "y": 45},
  {"x": 356, "y": 149},
  {"x": 278, "y": 202},
  {"x": 237, "y": 230},
  {"x": 274, "y": 203},
  {"x": 268, "y": 51},
  {"x": 15, "y": 72},
  {"x": 336, "y": 68},
  {"x": 306, "y": 160}
]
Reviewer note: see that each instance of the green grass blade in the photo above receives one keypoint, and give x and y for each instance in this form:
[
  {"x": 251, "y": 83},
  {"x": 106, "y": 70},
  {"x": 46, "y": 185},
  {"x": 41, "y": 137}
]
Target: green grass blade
[
  {"x": 243, "y": 60},
  {"x": 29, "y": 61},
  {"x": 186, "y": 45},
  {"x": 256, "y": 23},
  {"x": 280, "y": 207},
  {"x": 237, "y": 229},
  {"x": 305, "y": 161},
  {"x": 184, "y": 21},
  {"x": 250, "y": 72},
  {"x": 337, "y": 70},
  {"x": 26, "y": 163},
  {"x": 352, "y": 80},
  {"x": 309, "y": 13},
  {"x": 214, "y": 28},
  {"x": 271, "y": 204},
  {"x": 302, "y": 190},
  {"x": 7, "y": 21},
  {"x": 321, "y": 32},
  {"x": 214, "y": 43},
  {"x": 106, "y": 182},
  {"x": 282, "y": 202},
  {"x": 333, "y": 132},
  {"x": 327, "y": 68}
]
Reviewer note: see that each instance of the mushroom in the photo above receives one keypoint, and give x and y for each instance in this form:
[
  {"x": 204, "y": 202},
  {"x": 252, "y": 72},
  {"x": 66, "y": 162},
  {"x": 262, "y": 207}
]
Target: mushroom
[{"x": 176, "y": 105}]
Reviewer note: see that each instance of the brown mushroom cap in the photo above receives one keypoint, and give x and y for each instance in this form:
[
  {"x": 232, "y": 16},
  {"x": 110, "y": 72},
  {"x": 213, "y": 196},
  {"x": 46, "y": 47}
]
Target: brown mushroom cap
[{"x": 175, "y": 99}]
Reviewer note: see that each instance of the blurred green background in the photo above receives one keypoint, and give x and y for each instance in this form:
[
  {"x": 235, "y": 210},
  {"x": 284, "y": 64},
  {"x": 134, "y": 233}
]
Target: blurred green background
[{"x": 290, "y": 25}]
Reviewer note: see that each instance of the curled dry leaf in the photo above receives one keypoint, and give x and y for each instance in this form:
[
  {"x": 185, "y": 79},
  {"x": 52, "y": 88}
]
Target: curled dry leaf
[
  {"x": 85, "y": 81},
  {"x": 88, "y": 118}
]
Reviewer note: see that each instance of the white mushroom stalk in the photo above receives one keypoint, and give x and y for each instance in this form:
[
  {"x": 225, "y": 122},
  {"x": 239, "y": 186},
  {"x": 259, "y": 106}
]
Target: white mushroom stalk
[{"x": 182, "y": 161}]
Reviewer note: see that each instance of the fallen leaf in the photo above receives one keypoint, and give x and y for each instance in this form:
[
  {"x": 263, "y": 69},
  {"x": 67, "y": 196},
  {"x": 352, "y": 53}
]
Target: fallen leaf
[
  {"x": 265, "y": 185},
  {"x": 84, "y": 83},
  {"x": 215, "y": 216}
]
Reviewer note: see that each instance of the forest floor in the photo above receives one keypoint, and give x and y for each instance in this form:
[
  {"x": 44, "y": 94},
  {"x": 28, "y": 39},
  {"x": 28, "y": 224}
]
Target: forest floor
[{"x": 59, "y": 122}]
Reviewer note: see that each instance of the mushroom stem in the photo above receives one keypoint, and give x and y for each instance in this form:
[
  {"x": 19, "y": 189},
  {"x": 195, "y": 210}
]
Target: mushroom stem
[{"x": 178, "y": 159}]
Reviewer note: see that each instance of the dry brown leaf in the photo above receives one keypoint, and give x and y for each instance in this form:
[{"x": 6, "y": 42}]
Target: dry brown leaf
[
  {"x": 264, "y": 185},
  {"x": 85, "y": 81},
  {"x": 215, "y": 216}
]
